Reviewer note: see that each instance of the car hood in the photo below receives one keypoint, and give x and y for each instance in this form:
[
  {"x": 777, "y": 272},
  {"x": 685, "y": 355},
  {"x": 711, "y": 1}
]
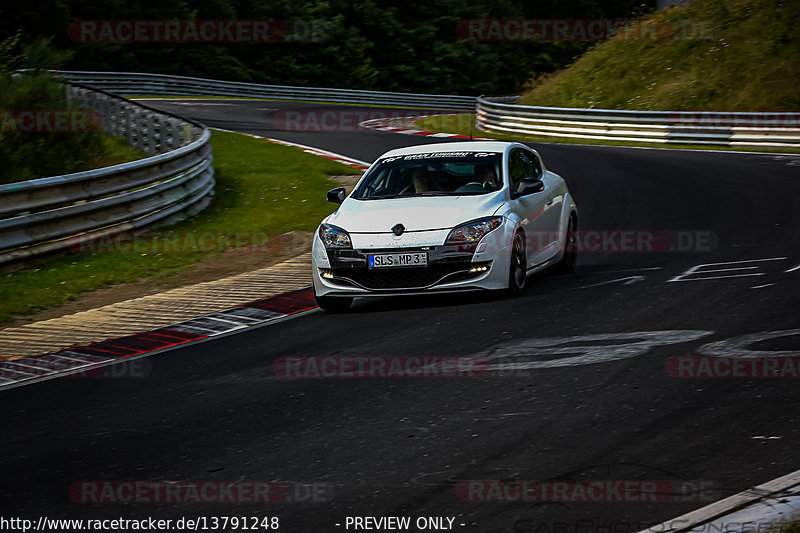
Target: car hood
[{"x": 416, "y": 214}]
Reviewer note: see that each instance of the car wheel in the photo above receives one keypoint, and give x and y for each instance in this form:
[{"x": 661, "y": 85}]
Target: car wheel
[
  {"x": 517, "y": 269},
  {"x": 567, "y": 263},
  {"x": 334, "y": 304}
]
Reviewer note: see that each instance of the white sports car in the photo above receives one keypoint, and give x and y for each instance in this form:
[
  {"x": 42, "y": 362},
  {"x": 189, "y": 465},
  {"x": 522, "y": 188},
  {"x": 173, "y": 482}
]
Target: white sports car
[{"x": 444, "y": 217}]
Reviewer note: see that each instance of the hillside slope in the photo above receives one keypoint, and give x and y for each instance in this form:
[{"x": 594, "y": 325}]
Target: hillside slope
[{"x": 720, "y": 55}]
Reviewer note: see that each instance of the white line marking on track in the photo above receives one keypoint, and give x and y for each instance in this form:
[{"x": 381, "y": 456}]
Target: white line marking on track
[
  {"x": 627, "y": 281},
  {"x": 22, "y": 364},
  {"x": 556, "y": 352},
  {"x": 218, "y": 319},
  {"x": 716, "y": 277},
  {"x": 697, "y": 270},
  {"x": 727, "y": 269},
  {"x": 630, "y": 270},
  {"x": 793, "y": 269},
  {"x": 762, "y": 286}
]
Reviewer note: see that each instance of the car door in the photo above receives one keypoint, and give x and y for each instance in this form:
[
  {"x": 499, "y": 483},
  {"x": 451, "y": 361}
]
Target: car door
[
  {"x": 554, "y": 201},
  {"x": 531, "y": 208}
]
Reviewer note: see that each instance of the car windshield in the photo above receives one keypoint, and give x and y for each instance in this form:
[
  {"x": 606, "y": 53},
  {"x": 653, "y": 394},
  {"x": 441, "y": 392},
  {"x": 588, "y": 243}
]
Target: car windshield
[{"x": 432, "y": 174}]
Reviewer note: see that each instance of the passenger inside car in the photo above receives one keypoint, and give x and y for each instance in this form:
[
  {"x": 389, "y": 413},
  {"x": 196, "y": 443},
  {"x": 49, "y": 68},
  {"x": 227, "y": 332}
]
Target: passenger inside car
[{"x": 422, "y": 180}]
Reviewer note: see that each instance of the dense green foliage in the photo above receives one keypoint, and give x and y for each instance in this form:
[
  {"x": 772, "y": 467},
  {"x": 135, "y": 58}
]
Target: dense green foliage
[
  {"x": 27, "y": 155},
  {"x": 745, "y": 56},
  {"x": 373, "y": 44}
]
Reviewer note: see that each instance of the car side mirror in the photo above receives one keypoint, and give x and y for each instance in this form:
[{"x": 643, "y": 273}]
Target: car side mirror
[
  {"x": 528, "y": 186},
  {"x": 337, "y": 195}
]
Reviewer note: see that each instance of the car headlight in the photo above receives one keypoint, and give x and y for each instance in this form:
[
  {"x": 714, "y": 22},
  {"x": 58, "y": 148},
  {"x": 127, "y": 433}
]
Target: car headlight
[
  {"x": 334, "y": 237},
  {"x": 473, "y": 231}
]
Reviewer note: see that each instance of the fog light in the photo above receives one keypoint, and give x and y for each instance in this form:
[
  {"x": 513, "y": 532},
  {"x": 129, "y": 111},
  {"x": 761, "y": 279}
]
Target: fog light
[
  {"x": 480, "y": 267},
  {"x": 327, "y": 274}
]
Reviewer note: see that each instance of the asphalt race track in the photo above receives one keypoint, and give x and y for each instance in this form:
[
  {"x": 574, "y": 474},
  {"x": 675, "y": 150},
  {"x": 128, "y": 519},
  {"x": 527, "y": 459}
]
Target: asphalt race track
[{"x": 388, "y": 447}]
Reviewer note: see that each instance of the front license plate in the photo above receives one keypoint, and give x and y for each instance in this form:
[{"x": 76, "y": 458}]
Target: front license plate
[{"x": 411, "y": 259}]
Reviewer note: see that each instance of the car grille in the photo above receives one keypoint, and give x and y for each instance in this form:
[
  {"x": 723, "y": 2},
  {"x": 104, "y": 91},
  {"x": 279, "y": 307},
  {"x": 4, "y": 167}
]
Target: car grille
[{"x": 406, "y": 278}]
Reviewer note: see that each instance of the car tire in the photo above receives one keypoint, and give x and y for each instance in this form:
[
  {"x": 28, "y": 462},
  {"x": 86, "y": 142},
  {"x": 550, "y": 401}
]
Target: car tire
[
  {"x": 517, "y": 268},
  {"x": 567, "y": 263},
  {"x": 334, "y": 304}
]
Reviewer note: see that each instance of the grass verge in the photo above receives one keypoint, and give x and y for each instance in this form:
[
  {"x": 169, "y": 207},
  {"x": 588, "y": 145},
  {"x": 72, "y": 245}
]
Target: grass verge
[
  {"x": 714, "y": 55},
  {"x": 114, "y": 152},
  {"x": 263, "y": 190}
]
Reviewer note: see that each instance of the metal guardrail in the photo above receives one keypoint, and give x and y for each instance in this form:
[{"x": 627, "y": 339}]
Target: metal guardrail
[
  {"x": 500, "y": 115},
  {"x": 140, "y": 83},
  {"x": 176, "y": 181},
  {"x": 54, "y": 213}
]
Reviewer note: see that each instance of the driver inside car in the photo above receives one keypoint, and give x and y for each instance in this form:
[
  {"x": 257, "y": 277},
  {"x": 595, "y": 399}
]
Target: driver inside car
[{"x": 486, "y": 176}]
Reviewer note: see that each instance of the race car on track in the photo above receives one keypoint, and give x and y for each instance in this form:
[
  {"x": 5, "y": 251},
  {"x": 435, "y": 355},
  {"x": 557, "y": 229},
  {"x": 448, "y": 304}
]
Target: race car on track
[{"x": 444, "y": 217}]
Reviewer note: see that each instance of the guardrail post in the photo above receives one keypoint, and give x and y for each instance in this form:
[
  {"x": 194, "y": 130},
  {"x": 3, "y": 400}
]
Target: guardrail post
[
  {"x": 141, "y": 129},
  {"x": 162, "y": 134},
  {"x": 151, "y": 134},
  {"x": 129, "y": 125},
  {"x": 176, "y": 134},
  {"x": 88, "y": 99},
  {"x": 187, "y": 133},
  {"x": 111, "y": 117},
  {"x": 105, "y": 111},
  {"x": 121, "y": 129}
]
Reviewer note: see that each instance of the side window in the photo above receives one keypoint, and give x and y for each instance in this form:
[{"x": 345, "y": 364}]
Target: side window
[
  {"x": 518, "y": 166},
  {"x": 521, "y": 165},
  {"x": 537, "y": 166}
]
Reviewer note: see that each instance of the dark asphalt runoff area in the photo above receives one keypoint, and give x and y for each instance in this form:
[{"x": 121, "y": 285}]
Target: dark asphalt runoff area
[{"x": 604, "y": 407}]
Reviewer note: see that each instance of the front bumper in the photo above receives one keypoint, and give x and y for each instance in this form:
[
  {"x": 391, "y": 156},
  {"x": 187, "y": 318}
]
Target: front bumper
[{"x": 450, "y": 268}]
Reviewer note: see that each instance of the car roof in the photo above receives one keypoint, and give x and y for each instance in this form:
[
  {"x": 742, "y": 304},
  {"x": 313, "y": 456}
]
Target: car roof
[{"x": 463, "y": 146}]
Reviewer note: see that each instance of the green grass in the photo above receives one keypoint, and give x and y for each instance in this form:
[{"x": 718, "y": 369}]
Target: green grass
[
  {"x": 744, "y": 58},
  {"x": 114, "y": 152},
  {"x": 461, "y": 124},
  {"x": 263, "y": 189}
]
